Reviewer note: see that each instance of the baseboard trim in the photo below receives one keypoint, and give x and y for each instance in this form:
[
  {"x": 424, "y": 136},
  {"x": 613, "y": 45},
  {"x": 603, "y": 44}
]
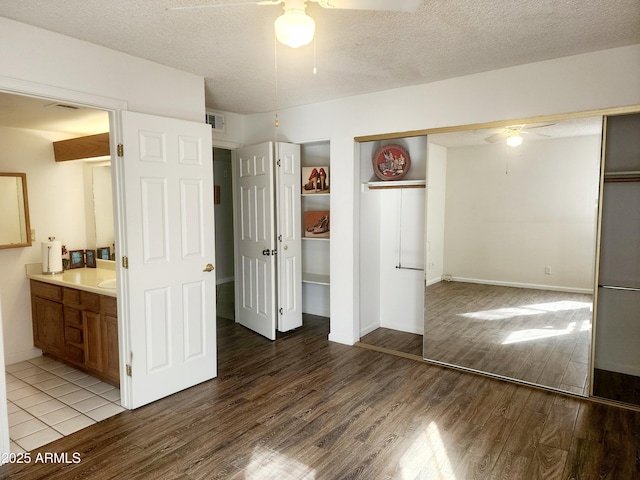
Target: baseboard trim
[
  {"x": 498, "y": 283},
  {"x": 368, "y": 330},
  {"x": 21, "y": 356},
  {"x": 433, "y": 281},
  {"x": 224, "y": 280}
]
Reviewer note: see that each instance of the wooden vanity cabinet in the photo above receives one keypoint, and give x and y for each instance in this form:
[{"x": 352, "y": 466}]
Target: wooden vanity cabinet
[
  {"x": 48, "y": 318},
  {"x": 77, "y": 327}
]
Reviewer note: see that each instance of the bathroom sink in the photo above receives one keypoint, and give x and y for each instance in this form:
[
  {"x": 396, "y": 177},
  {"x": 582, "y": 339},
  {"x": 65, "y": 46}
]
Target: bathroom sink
[{"x": 111, "y": 283}]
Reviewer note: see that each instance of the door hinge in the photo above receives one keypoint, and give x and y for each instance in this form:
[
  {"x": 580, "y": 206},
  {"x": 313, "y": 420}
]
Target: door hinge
[
  {"x": 128, "y": 370},
  {"x": 120, "y": 150},
  {"x": 279, "y": 163},
  {"x": 280, "y": 238},
  {"x": 281, "y": 311},
  {"x": 125, "y": 262}
]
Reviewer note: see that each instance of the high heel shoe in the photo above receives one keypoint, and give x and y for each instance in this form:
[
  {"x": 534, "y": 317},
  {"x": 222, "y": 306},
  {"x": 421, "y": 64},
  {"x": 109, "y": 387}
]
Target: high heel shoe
[
  {"x": 318, "y": 224},
  {"x": 323, "y": 178},
  {"x": 312, "y": 184},
  {"x": 323, "y": 227}
]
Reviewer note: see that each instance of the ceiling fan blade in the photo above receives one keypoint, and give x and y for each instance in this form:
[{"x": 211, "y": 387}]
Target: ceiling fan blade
[
  {"x": 231, "y": 4},
  {"x": 538, "y": 126},
  {"x": 393, "y": 6},
  {"x": 535, "y": 133},
  {"x": 495, "y": 138}
]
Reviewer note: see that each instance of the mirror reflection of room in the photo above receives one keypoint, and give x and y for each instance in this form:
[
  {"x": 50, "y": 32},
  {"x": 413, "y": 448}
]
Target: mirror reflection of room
[{"x": 511, "y": 236}]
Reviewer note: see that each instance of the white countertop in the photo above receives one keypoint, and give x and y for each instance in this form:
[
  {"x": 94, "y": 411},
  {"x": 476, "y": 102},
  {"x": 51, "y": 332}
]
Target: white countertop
[{"x": 80, "y": 278}]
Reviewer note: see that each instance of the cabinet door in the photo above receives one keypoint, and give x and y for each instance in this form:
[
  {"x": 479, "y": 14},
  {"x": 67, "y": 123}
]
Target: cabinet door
[
  {"x": 92, "y": 341},
  {"x": 110, "y": 356},
  {"x": 48, "y": 326}
]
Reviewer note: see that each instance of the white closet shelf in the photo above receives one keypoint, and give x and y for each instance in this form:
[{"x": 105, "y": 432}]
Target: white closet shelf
[
  {"x": 379, "y": 185},
  {"x": 315, "y": 194},
  {"x": 316, "y": 239},
  {"x": 316, "y": 278}
]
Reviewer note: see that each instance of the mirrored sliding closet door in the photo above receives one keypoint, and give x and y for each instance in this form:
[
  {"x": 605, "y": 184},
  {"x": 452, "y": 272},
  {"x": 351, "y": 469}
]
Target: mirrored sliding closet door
[{"x": 511, "y": 247}]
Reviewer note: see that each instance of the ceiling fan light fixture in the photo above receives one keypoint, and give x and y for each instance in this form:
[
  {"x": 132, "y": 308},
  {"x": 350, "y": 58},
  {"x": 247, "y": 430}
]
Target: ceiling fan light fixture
[
  {"x": 294, "y": 28},
  {"x": 514, "y": 140}
]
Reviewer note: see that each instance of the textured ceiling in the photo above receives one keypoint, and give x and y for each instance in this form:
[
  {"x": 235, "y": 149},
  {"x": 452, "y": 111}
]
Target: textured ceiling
[{"x": 357, "y": 51}]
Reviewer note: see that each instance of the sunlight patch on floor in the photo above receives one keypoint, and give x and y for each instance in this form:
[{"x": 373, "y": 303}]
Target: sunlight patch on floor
[
  {"x": 427, "y": 457},
  {"x": 267, "y": 464},
  {"x": 525, "y": 310},
  {"x": 539, "y": 333}
]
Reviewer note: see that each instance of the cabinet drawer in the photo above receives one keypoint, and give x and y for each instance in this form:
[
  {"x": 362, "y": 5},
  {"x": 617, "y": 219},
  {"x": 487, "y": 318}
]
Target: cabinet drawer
[
  {"x": 46, "y": 290},
  {"x": 73, "y": 335},
  {"x": 90, "y": 301},
  {"x": 72, "y": 317},
  {"x": 74, "y": 354},
  {"x": 81, "y": 299},
  {"x": 109, "y": 306},
  {"x": 71, "y": 296}
]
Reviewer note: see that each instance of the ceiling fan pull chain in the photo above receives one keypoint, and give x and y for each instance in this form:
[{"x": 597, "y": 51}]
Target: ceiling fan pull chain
[{"x": 315, "y": 53}]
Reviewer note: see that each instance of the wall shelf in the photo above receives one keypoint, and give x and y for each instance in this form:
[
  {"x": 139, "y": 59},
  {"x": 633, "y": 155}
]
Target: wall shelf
[
  {"x": 316, "y": 278},
  {"x": 380, "y": 185}
]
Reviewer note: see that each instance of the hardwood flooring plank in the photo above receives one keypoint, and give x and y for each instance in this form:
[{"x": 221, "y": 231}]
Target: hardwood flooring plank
[
  {"x": 558, "y": 427},
  {"x": 584, "y": 460},
  {"x": 548, "y": 463}
]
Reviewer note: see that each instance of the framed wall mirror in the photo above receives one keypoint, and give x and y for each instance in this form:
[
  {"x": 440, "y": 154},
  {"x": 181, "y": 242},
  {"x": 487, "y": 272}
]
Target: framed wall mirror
[{"x": 15, "y": 230}]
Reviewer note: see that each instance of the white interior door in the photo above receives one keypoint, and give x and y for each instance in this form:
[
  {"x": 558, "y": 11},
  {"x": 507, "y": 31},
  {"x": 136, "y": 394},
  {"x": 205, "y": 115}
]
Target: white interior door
[
  {"x": 255, "y": 239},
  {"x": 169, "y": 286},
  {"x": 289, "y": 257}
]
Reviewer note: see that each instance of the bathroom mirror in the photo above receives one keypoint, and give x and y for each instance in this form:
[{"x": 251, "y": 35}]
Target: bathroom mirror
[
  {"x": 14, "y": 211},
  {"x": 99, "y": 205}
]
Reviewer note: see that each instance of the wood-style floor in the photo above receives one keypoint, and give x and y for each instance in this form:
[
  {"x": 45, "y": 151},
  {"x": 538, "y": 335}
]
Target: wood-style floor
[
  {"x": 304, "y": 408},
  {"x": 538, "y": 336}
]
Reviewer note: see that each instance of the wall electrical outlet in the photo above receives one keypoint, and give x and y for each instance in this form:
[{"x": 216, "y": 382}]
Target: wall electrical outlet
[
  {"x": 33, "y": 234},
  {"x": 547, "y": 270}
]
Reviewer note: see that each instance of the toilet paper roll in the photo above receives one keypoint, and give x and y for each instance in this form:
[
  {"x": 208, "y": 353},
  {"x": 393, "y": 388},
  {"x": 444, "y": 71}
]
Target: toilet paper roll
[{"x": 51, "y": 257}]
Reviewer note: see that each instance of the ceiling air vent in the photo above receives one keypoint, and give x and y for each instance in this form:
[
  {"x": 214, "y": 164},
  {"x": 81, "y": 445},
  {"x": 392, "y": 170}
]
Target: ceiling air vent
[{"x": 216, "y": 121}]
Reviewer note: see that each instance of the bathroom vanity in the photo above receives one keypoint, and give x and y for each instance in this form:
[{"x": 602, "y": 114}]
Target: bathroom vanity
[{"x": 75, "y": 319}]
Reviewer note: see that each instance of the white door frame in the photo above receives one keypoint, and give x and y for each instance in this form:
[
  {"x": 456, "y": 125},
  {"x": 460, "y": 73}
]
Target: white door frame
[{"x": 113, "y": 106}]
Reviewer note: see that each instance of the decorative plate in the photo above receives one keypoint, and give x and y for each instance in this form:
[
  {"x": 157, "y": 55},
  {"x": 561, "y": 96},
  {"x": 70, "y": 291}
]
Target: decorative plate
[{"x": 391, "y": 162}]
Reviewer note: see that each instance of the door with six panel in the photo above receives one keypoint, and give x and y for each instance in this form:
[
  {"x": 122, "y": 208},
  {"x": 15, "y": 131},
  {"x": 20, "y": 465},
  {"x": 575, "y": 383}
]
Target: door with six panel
[
  {"x": 170, "y": 343},
  {"x": 268, "y": 274}
]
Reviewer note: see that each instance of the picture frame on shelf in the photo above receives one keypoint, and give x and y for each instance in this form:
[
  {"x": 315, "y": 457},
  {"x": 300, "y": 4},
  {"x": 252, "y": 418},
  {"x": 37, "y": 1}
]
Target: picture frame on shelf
[
  {"x": 315, "y": 180},
  {"x": 104, "y": 253},
  {"x": 76, "y": 258},
  {"x": 317, "y": 224},
  {"x": 91, "y": 258}
]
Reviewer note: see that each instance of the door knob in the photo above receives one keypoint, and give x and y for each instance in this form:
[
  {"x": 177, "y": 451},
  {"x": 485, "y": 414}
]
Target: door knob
[
  {"x": 266, "y": 252},
  {"x": 208, "y": 268}
]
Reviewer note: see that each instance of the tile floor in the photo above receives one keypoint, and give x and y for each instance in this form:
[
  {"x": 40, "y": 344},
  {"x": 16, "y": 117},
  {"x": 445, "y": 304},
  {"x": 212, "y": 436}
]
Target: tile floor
[{"x": 48, "y": 400}]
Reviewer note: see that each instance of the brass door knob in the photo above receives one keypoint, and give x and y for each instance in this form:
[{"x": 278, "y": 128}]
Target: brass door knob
[{"x": 208, "y": 268}]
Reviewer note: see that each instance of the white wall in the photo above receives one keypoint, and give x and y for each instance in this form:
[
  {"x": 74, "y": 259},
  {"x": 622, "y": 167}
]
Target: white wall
[
  {"x": 571, "y": 84},
  {"x": 436, "y": 191},
  {"x": 56, "y": 208},
  {"x": 511, "y": 212}
]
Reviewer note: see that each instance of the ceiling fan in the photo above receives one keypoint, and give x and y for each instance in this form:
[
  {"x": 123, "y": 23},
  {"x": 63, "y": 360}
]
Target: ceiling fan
[
  {"x": 295, "y": 28},
  {"x": 512, "y": 134}
]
